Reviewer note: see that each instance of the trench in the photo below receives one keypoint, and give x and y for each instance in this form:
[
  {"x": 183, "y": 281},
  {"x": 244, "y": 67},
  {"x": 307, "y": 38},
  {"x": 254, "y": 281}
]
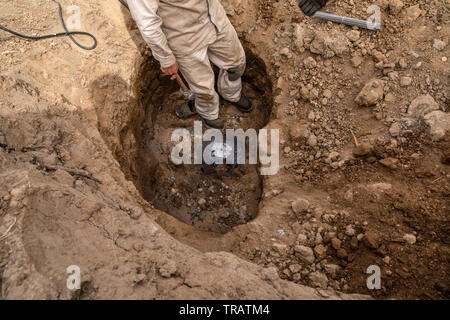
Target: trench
[{"x": 210, "y": 198}]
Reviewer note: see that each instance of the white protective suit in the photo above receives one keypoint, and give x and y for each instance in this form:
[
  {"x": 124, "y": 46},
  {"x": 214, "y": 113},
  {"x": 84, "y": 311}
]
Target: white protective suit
[{"x": 193, "y": 33}]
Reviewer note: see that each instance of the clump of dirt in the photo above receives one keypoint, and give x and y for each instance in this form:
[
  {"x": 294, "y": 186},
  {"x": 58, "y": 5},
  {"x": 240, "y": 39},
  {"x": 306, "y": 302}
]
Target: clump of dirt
[{"x": 210, "y": 197}]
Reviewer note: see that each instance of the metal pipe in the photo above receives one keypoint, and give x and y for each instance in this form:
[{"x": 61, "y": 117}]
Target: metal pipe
[{"x": 348, "y": 21}]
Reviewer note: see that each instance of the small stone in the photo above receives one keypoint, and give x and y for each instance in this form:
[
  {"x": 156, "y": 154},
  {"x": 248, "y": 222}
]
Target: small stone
[
  {"x": 350, "y": 231},
  {"x": 331, "y": 268},
  {"x": 405, "y": 81},
  {"x": 295, "y": 268},
  {"x": 202, "y": 202},
  {"x": 395, "y": 6},
  {"x": 300, "y": 206},
  {"x": 394, "y": 130},
  {"x": 320, "y": 251},
  {"x": 370, "y": 239},
  {"x": 285, "y": 52},
  {"x": 437, "y": 124},
  {"x": 280, "y": 248},
  {"x": 371, "y": 94},
  {"x": 421, "y": 106},
  {"x": 306, "y": 254},
  {"x": 310, "y": 63},
  {"x": 410, "y": 238},
  {"x": 341, "y": 253},
  {"x": 378, "y": 56},
  {"x": 312, "y": 140},
  {"x": 389, "y": 97},
  {"x": 353, "y": 35},
  {"x": 412, "y": 13},
  {"x": 168, "y": 269},
  {"x": 327, "y": 93},
  {"x": 356, "y": 61},
  {"x": 304, "y": 93},
  {"x": 311, "y": 116},
  {"x": 362, "y": 150},
  {"x": 439, "y": 44},
  {"x": 302, "y": 239},
  {"x": 336, "y": 243},
  {"x": 318, "y": 279},
  {"x": 390, "y": 163},
  {"x": 402, "y": 63}
]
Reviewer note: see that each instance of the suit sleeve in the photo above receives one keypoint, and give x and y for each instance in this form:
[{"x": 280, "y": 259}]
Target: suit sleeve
[{"x": 149, "y": 24}]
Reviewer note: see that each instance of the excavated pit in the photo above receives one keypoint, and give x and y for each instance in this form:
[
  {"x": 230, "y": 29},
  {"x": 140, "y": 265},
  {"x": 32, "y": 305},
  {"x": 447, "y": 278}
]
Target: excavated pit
[{"x": 209, "y": 198}]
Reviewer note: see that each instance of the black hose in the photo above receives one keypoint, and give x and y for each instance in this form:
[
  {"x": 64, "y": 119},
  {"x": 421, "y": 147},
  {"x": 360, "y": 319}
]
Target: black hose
[
  {"x": 68, "y": 33},
  {"x": 125, "y": 4}
]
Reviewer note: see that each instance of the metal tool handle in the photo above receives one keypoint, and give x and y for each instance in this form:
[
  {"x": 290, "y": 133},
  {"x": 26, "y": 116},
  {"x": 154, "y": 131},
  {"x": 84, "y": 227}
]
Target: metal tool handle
[{"x": 348, "y": 21}]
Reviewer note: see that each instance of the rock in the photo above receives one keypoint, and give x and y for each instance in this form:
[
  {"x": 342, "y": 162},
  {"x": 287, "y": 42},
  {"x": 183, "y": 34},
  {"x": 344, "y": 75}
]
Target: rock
[
  {"x": 390, "y": 163},
  {"x": 370, "y": 240},
  {"x": 311, "y": 116},
  {"x": 439, "y": 44},
  {"x": 362, "y": 150},
  {"x": 168, "y": 269},
  {"x": 329, "y": 44},
  {"x": 304, "y": 93},
  {"x": 371, "y": 94},
  {"x": 354, "y": 243},
  {"x": 285, "y": 52},
  {"x": 378, "y": 56},
  {"x": 306, "y": 254},
  {"x": 402, "y": 63},
  {"x": 438, "y": 124},
  {"x": 389, "y": 97},
  {"x": 318, "y": 279},
  {"x": 336, "y": 243},
  {"x": 353, "y": 35},
  {"x": 395, "y": 129},
  {"x": 356, "y": 61},
  {"x": 348, "y": 195},
  {"x": 331, "y": 268},
  {"x": 412, "y": 13},
  {"x": 422, "y": 105},
  {"x": 310, "y": 63},
  {"x": 341, "y": 253},
  {"x": 302, "y": 239},
  {"x": 300, "y": 206},
  {"x": 350, "y": 231},
  {"x": 405, "y": 81},
  {"x": 280, "y": 248},
  {"x": 395, "y": 6},
  {"x": 312, "y": 140},
  {"x": 299, "y": 34},
  {"x": 295, "y": 268},
  {"x": 318, "y": 240},
  {"x": 327, "y": 93},
  {"x": 320, "y": 252},
  {"x": 202, "y": 202},
  {"x": 410, "y": 238}
]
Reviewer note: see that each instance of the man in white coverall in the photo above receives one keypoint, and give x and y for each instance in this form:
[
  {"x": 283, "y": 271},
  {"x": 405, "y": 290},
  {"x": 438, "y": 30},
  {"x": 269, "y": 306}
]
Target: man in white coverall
[{"x": 187, "y": 35}]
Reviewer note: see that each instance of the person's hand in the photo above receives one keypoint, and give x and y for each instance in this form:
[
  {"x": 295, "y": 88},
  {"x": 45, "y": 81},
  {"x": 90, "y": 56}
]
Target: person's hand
[
  {"x": 309, "y": 7},
  {"x": 171, "y": 71}
]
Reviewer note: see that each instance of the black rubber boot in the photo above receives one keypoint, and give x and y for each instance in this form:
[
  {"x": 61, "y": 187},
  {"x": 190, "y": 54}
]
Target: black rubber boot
[
  {"x": 214, "y": 124},
  {"x": 244, "y": 104},
  {"x": 186, "y": 110}
]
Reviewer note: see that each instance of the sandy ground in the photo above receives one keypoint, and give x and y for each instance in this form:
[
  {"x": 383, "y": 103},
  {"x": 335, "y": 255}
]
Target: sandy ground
[{"x": 364, "y": 177}]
